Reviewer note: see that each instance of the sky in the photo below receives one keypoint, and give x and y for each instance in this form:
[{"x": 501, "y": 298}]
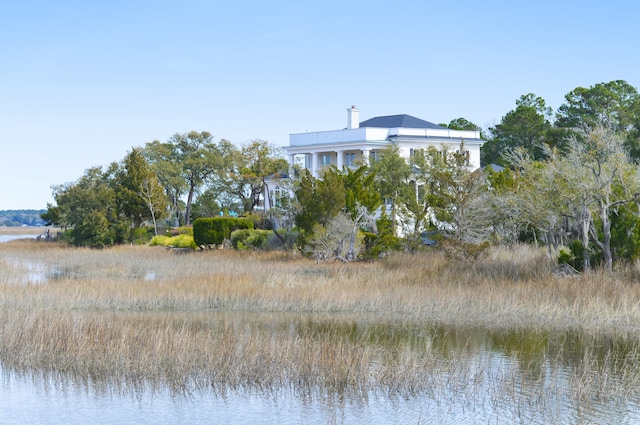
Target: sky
[{"x": 84, "y": 82}]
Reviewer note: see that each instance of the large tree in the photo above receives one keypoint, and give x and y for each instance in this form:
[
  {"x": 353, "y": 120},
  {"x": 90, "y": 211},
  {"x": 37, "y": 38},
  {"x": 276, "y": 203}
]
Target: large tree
[
  {"x": 449, "y": 196},
  {"x": 617, "y": 102},
  {"x": 242, "y": 173},
  {"x": 527, "y": 127},
  {"x": 588, "y": 182},
  {"x": 464, "y": 124},
  {"x": 139, "y": 193},
  {"x": 335, "y": 208},
  {"x": 88, "y": 206},
  {"x": 393, "y": 174},
  {"x": 184, "y": 163}
]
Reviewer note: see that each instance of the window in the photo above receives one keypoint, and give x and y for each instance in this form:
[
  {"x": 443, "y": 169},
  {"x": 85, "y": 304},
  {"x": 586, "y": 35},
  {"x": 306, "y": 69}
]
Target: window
[
  {"x": 416, "y": 152},
  {"x": 374, "y": 156},
  {"x": 463, "y": 156},
  {"x": 275, "y": 196},
  {"x": 326, "y": 159},
  {"x": 349, "y": 159}
]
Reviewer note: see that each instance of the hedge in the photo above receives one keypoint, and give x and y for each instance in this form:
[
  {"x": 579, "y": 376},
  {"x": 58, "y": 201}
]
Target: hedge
[{"x": 215, "y": 230}]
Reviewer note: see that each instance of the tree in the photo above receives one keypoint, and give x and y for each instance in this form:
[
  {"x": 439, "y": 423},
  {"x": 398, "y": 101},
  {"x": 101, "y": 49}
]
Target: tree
[
  {"x": 617, "y": 102},
  {"x": 464, "y": 124},
  {"x": 392, "y": 175},
  {"x": 588, "y": 183},
  {"x": 320, "y": 199},
  {"x": 336, "y": 239},
  {"x": 453, "y": 198},
  {"x": 326, "y": 204},
  {"x": 88, "y": 206},
  {"x": 162, "y": 159},
  {"x": 241, "y": 174},
  {"x": 183, "y": 164},
  {"x": 602, "y": 177},
  {"x": 526, "y": 127},
  {"x": 138, "y": 191},
  {"x": 206, "y": 205}
]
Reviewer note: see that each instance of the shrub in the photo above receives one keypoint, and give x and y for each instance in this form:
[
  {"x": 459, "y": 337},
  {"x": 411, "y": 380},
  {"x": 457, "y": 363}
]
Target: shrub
[
  {"x": 215, "y": 230},
  {"x": 250, "y": 238},
  {"x": 160, "y": 240},
  {"x": 182, "y": 230},
  {"x": 178, "y": 241}
]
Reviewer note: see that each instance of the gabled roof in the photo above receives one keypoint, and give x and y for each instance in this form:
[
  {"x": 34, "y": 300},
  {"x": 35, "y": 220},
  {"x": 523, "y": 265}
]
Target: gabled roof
[{"x": 394, "y": 121}]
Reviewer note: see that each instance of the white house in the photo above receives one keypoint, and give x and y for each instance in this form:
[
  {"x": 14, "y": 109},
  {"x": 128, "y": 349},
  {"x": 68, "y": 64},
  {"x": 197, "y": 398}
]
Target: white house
[{"x": 362, "y": 141}]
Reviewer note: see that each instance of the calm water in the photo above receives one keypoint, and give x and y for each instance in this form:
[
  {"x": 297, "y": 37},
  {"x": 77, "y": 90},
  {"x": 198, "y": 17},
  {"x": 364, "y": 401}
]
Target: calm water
[
  {"x": 498, "y": 378},
  {"x": 7, "y": 238}
]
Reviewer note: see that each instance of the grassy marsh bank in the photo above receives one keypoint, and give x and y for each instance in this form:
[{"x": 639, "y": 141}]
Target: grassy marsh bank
[
  {"x": 228, "y": 319},
  {"x": 511, "y": 288}
]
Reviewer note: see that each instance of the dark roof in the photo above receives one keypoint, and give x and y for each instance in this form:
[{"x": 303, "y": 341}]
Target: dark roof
[
  {"x": 393, "y": 121},
  {"x": 493, "y": 167}
]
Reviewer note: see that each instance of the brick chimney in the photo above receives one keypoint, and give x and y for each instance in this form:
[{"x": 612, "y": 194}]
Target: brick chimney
[{"x": 353, "y": 117}]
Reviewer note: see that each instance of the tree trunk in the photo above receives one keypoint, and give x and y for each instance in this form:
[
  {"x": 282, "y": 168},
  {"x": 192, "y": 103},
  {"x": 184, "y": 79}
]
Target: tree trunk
[
  {"x": 606, "y": 231},
  {"x": 585, "y": 222},
  {"x": 187, "y": 211}
]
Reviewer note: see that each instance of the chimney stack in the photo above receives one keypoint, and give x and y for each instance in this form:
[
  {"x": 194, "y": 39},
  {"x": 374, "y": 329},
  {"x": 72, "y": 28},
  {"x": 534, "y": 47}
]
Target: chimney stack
[{"x": 353, "y": 118}]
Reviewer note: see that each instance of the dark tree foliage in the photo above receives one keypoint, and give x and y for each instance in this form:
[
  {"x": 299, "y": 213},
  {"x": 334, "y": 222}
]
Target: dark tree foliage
[
  {"x": 616, "y": 102},
  {"x": 526, "y": 127}
]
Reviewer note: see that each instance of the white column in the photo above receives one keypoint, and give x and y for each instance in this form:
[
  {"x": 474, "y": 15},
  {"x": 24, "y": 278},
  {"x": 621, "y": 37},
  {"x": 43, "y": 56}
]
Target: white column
[
  {"x": 339, "y": 159},
  {"x": 365, "y": 156},
  {"x": 315, "y": 164}
]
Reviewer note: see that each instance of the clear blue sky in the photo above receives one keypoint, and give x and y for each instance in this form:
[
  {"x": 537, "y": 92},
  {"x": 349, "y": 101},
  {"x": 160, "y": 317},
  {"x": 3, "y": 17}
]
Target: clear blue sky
[{"x": 82, "y": 82}]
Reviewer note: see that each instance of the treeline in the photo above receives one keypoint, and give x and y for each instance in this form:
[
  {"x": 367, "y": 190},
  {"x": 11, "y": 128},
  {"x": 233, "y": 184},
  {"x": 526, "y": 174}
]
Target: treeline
[
  {"x": 11, "y": 218},
  {"x": 163, "y": 184},
  {"x": 566, "y": 179}
]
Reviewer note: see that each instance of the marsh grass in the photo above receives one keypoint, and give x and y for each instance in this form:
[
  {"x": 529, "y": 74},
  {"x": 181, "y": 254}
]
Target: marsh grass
[
  {"x": 24, "y": 230},
  {"x": 219, "y": 320}
]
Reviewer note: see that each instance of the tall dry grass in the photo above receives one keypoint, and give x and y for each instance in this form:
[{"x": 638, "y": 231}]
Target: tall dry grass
[
  {"x": 510, "y": 288},
  {"x": 216, "y": 319},
  {"x": 25, "y": 230}
]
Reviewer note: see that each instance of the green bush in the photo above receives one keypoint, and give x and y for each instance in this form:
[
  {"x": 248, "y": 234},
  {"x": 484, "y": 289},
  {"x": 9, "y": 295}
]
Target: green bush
[
  {"x": 184, "y": 241},
  {"x": 160, "y": 240},
  {"x": 178, "y": 241},
  {"x": 215, "y": 230},
  {"x": 182, "y": 230},
  {"x": 250, "y": 238},
  {"x": 573, "y": 255},
  {"x": 377, "y": 245}
]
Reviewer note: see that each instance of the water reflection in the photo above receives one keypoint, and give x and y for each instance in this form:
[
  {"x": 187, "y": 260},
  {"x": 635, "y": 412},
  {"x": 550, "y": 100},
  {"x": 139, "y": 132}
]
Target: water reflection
[{"x": 475, "y": 376}]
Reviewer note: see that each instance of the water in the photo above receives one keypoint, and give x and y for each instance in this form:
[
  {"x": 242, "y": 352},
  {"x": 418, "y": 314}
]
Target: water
[
  {"x": 7, "y": 238},
  {"x": 499, "y": 377}
]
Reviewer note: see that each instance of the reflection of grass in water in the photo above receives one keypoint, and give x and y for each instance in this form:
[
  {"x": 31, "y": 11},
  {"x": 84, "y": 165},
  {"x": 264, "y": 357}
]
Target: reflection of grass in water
[{"x": 107, "y": 322}]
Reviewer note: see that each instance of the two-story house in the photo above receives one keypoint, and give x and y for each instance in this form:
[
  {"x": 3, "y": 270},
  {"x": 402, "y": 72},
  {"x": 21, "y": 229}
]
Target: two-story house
[{"x": 363, "y": 141}]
